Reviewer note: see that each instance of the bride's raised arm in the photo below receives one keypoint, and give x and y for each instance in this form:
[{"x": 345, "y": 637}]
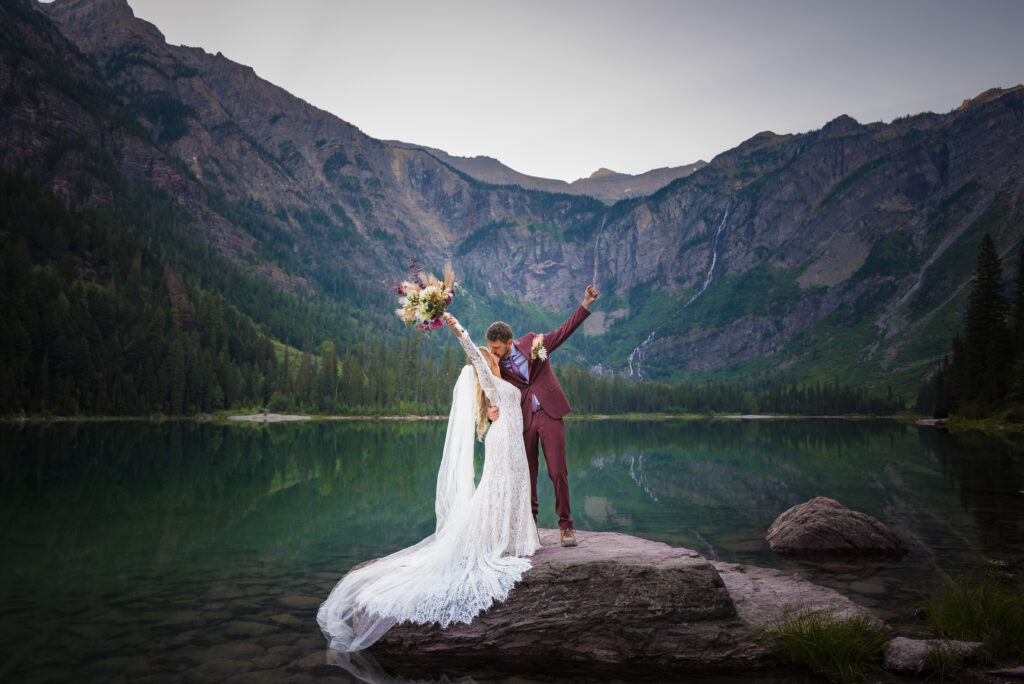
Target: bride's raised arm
[{"x": 483, "y": 369}]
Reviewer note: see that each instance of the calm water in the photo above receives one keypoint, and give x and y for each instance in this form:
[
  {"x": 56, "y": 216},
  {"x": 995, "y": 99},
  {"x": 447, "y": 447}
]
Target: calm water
[{"x": 198, "y": 552}]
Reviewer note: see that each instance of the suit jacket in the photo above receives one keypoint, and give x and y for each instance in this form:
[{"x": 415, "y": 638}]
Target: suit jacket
[{"x": 542, "y": 381}]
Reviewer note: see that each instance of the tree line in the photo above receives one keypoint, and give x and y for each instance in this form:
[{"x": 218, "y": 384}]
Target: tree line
[
  {"x": 984, "y": 372},
  {"x": 94, "y": 321},
  {"x": 594, "y": 394}
]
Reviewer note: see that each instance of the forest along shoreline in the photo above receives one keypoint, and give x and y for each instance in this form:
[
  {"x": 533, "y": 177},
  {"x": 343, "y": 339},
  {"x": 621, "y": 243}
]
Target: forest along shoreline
[
  {"x": 272, "y": 417},
  {"x": 953, "y": 424}
]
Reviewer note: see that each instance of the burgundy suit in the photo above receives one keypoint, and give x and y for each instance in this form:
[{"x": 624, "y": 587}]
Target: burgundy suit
[{"x": 545, "y": 425}]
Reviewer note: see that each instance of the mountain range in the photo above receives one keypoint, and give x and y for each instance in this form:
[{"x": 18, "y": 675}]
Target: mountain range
[
  {"x": 839, "y": 254},
  {"x": 604, "y": 184}
]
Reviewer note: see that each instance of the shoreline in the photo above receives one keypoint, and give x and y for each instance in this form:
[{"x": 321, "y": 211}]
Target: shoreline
[{"x": 272, "y": 417}]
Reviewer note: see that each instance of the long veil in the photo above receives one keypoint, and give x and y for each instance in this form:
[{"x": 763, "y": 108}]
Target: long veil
[
  {"x": 368, "y": 601},
  {"x": 455, "y": 476}
]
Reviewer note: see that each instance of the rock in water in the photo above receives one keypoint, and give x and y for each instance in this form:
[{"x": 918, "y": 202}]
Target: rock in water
[
  {"x": 824, "y": 526},
  {"x": 910, "y": 656},
  {"x": 616, "y": 606}
]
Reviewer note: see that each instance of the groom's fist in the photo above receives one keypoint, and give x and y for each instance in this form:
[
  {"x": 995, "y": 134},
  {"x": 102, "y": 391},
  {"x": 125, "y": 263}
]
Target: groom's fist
[{"x": 589, "y": 297}]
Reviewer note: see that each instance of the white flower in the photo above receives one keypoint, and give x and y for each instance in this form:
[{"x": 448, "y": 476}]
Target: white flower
[{"x": 537, "y": 349}]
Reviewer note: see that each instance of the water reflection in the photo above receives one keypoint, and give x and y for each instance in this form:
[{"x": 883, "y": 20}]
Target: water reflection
[
  {"x": 191, "y": 549},
  {"x": 719, "y": 484},
  {"x": 109, "y": 501},
  {"x": 988, "y": 475}
]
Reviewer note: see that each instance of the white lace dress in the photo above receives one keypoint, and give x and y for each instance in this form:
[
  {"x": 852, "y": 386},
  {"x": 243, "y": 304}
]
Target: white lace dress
[{"x": 475, "y": 556}]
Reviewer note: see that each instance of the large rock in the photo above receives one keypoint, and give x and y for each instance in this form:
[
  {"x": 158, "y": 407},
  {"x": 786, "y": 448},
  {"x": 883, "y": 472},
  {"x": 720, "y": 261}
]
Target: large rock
[
  {"x": 615, "y": 605},
  {"x": 824, "y": 526},
  {"x": 910, "y": 656},
  {"x": 763, "y": 595}
]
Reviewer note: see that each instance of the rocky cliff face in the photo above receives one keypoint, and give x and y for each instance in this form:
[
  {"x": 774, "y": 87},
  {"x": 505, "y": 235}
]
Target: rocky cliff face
[
  {"x": 258, "y": 144},
  {"x": 840, "y": 253},
  {"x": 847, "y": 248},
  {"x": 56, "y": 105},
  {"x": 859, "y": 236}
]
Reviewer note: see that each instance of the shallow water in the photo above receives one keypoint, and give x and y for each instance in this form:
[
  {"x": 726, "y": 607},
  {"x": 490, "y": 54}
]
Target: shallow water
[{"x": 199, "y": 552}]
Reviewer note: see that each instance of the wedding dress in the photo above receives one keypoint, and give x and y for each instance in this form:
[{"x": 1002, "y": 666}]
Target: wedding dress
[{"x": 475, "y": 555}]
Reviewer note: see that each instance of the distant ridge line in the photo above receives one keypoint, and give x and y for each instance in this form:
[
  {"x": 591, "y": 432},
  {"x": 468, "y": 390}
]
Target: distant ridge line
[{"x": 604, "y": 184}]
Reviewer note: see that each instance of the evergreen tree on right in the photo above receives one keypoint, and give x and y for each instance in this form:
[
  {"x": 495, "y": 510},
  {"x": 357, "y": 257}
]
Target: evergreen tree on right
[
  {"x": 975, "y": 381},
  {"x": 987, "y": 338},
  {"x": 1016, "y": 390}
]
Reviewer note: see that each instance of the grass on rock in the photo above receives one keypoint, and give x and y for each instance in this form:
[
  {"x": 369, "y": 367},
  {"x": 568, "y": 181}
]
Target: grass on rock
[
  {"x": 839, "y": 648},
  {"x": 986, "y": 605},
  {"x": 943, "y": 662}
]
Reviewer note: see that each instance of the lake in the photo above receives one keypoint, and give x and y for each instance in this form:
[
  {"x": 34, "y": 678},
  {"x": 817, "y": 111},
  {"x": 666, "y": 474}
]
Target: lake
[{"x": 190, "y": 551}]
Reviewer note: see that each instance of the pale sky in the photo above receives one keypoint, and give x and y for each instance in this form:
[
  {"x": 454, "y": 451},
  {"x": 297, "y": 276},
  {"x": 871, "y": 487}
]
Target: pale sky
[{"x": 559, "y": 88}]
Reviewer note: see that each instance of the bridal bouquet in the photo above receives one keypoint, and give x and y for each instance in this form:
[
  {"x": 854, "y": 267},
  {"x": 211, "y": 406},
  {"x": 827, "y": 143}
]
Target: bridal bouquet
[{"x": 425, "y": 298}]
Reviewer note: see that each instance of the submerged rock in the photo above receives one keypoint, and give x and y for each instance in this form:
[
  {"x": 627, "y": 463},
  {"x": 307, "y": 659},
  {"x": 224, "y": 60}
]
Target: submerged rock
[
  {"x": 1015, "y": 672},
  {"x": 615, "y": 605},
  {"x": 825, "y": 526},
  {"x": 910, "y": 656}
]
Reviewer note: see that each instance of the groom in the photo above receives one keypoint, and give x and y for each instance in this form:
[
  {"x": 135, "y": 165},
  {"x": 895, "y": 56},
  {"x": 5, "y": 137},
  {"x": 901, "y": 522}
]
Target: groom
[{"x": 525, "y": 364}]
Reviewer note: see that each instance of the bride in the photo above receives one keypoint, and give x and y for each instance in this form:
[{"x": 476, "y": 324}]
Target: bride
[{"x": 476, "y": 553}]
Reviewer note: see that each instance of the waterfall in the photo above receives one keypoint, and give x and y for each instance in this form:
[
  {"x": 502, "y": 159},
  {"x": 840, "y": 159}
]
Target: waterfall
[
  {"x": 714, "y": 254},
  {"x": 597, "y": 239},
  {"x": 638, "y": 354}
]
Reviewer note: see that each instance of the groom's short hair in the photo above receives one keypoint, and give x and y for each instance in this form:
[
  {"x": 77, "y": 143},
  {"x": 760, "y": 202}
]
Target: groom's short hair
[{"x": 499, "y": 332}]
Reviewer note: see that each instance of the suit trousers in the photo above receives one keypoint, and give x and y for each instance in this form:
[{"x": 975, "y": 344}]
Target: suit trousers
[{"x": 550, "y": 433}]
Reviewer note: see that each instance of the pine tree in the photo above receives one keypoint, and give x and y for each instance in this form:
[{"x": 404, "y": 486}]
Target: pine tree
[
  {"x": 1017, "y": 308},
  {"x": 987, "y": 343},
  {"x": 176, "y": 375},
  {"x": 1015, "y": 393},
  {"x": 284, "y": 383},
  {"x": 304, "y": 382},
  {"x": 327, "y": 380}
]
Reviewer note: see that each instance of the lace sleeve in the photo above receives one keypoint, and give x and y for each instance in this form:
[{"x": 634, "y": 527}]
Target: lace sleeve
[{"x": 483, "y": 371}]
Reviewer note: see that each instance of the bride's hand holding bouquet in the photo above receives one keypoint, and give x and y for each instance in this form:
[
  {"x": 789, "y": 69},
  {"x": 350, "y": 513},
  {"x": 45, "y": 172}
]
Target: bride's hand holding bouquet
[
  {"x": 453, "y": 323},
  {"x": 425, "y": 298}
]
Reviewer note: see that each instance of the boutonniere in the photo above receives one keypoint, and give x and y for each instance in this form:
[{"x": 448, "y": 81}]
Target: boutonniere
[{"x": 537, "y": 350}]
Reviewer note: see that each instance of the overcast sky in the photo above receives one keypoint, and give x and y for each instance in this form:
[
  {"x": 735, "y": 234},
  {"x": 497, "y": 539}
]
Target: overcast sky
[{"x": 559, "y": 88}]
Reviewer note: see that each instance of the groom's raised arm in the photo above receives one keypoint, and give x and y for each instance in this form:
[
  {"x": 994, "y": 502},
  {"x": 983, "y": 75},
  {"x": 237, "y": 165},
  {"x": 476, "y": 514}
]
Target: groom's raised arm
[{"x": 555, "y": 338}]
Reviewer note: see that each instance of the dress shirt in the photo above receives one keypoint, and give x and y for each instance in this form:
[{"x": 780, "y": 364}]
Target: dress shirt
[{"x": 518, "y": 364}]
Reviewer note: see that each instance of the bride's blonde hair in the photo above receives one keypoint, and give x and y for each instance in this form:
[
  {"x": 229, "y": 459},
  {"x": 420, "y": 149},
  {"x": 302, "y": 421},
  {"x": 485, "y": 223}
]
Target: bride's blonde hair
[{"x": 481, "y": 398}]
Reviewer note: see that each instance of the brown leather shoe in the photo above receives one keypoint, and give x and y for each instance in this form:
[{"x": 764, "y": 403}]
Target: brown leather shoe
[{"x": 568, "y": 536}]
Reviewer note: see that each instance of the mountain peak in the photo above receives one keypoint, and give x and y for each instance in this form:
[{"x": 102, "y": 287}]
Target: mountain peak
[
  {"x": 841, "y": 125},
  {"x": 988, "y": 96},
  {"x": 120, "y": 7},
  {"x": 105, "y": 22},
  {"x": 603, "y": 173}
]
